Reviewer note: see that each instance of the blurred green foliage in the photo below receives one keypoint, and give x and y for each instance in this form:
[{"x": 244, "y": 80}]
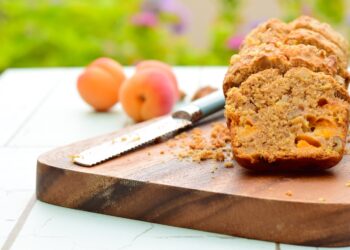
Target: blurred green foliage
[
  {"x": 45, "y": 33},
  {"x": 224, "y": 28},
  {"x": 37, "y": 33},
  {"x": 333, "y": 11},
  {"x": 70, "y": 32}
]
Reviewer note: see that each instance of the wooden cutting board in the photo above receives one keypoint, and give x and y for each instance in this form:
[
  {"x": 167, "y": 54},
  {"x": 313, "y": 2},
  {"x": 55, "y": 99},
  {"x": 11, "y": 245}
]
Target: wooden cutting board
[{"x": 307, "y": 209}]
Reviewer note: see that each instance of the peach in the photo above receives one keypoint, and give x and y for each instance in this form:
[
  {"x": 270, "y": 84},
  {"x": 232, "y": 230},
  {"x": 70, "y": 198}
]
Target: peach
[
  {"x": 161, "y": 66},
  {"x": 147, "y": 94},
  {"x": 99, "y": 84},
  {"x": 111, "y": 66}
]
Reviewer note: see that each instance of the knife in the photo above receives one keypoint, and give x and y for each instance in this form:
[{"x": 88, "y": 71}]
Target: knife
[{"x": 183, "y": 118}]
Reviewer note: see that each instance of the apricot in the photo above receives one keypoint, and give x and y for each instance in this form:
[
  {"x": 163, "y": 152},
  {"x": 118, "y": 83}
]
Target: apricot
[
  {"x": 147, "y": 94},
  {"x": 326, "y": 128},
  {"x": 303, "y": 144},
  {"x": 304, "y": 139},
  {"x": 112, "y": 67},
  {"x": 147, "y": 64},
  {"x": 248, "y": 130},
  {"x": 99, "y": 84}
]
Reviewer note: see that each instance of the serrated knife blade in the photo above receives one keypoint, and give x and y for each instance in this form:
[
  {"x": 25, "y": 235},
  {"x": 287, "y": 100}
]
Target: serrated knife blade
[
  {"x": 181, "y": 119},
  {"x": 124, "y": 143}
]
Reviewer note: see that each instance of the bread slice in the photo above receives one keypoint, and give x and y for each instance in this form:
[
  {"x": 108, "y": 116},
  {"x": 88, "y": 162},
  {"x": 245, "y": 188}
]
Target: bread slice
[
  {"x": 324, "y": 29},
  {"x": 310, "y": 37},
  {"x": 283, "y": 58},
  {"x": 297, "y": 120},
  {"x": 271, "y": 31}
]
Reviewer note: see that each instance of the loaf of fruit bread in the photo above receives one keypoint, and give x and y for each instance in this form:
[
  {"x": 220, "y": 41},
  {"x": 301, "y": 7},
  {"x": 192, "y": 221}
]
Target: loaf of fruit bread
[
  {"x": 292, "y": 120},
  {"x": 283, "y": 58},
  {"x": 287, "y": 104}
]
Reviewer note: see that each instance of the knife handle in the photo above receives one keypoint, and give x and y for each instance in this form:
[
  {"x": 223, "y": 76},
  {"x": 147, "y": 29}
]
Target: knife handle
[{"x": 202, "y": 107}]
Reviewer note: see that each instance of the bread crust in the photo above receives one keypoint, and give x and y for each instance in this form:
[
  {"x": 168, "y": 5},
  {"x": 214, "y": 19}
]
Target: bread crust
[
  {"x": 324, "y": 29},
  {"x": 304, "y": 30},
  {"x": 301, "y": 30},
  {"x": 283, "y": 58},
  {"x": 310, "y": 37},
  {"x": 287, "y": 164},
  {"x": 271, "y": 31}
]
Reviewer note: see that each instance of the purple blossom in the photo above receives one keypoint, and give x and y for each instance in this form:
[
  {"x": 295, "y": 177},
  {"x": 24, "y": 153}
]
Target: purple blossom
[
  {"x": 234, "y": 42},
  {"x": 145, "y": 19},
  {"x": 178, "y": 10},
  {"x": 306, "y": 10}
]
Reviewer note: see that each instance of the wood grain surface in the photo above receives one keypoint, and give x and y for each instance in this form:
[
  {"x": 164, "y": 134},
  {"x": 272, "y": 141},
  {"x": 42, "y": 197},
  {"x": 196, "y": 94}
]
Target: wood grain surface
[{"x": 296, "y": 208}]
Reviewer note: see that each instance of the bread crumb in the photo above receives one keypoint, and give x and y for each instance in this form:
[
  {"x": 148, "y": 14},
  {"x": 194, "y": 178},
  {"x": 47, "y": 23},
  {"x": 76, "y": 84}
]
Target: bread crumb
[
  {"x": 73, "y": 157},
  {"x": 149, "y": 153},
  {"x": 197, "y": 145},
  {"x": 200, "y": 146},
  {"x": 196, "y": 131},
  {"x": 347, "y": 184},
  {"x": 219, "y": 156},
  {"x": 289, "y": 193},
  {"x": 321, "y": 199},
  {"x": 171, "y": 143},
  {"x": 228, "y": 164},
  {"x": 347, "y": 151},
  {"x": 181, "y": 136},
  {"x": 203, "y": 155},
  {"x": 161, "y": 152},
  {"x": 123, "y": 138},
  {"x": 136, "y": 138},
  {"x": 182, "y": 95},
  {"x": 214, "y": 168}
]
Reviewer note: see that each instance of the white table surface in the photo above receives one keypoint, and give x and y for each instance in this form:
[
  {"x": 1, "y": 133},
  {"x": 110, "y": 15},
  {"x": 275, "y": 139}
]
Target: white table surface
[{"x": 40, "y": 109}]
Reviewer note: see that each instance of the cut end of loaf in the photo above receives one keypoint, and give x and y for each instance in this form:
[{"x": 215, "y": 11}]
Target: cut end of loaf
[{"x": 293, "y": 120}]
